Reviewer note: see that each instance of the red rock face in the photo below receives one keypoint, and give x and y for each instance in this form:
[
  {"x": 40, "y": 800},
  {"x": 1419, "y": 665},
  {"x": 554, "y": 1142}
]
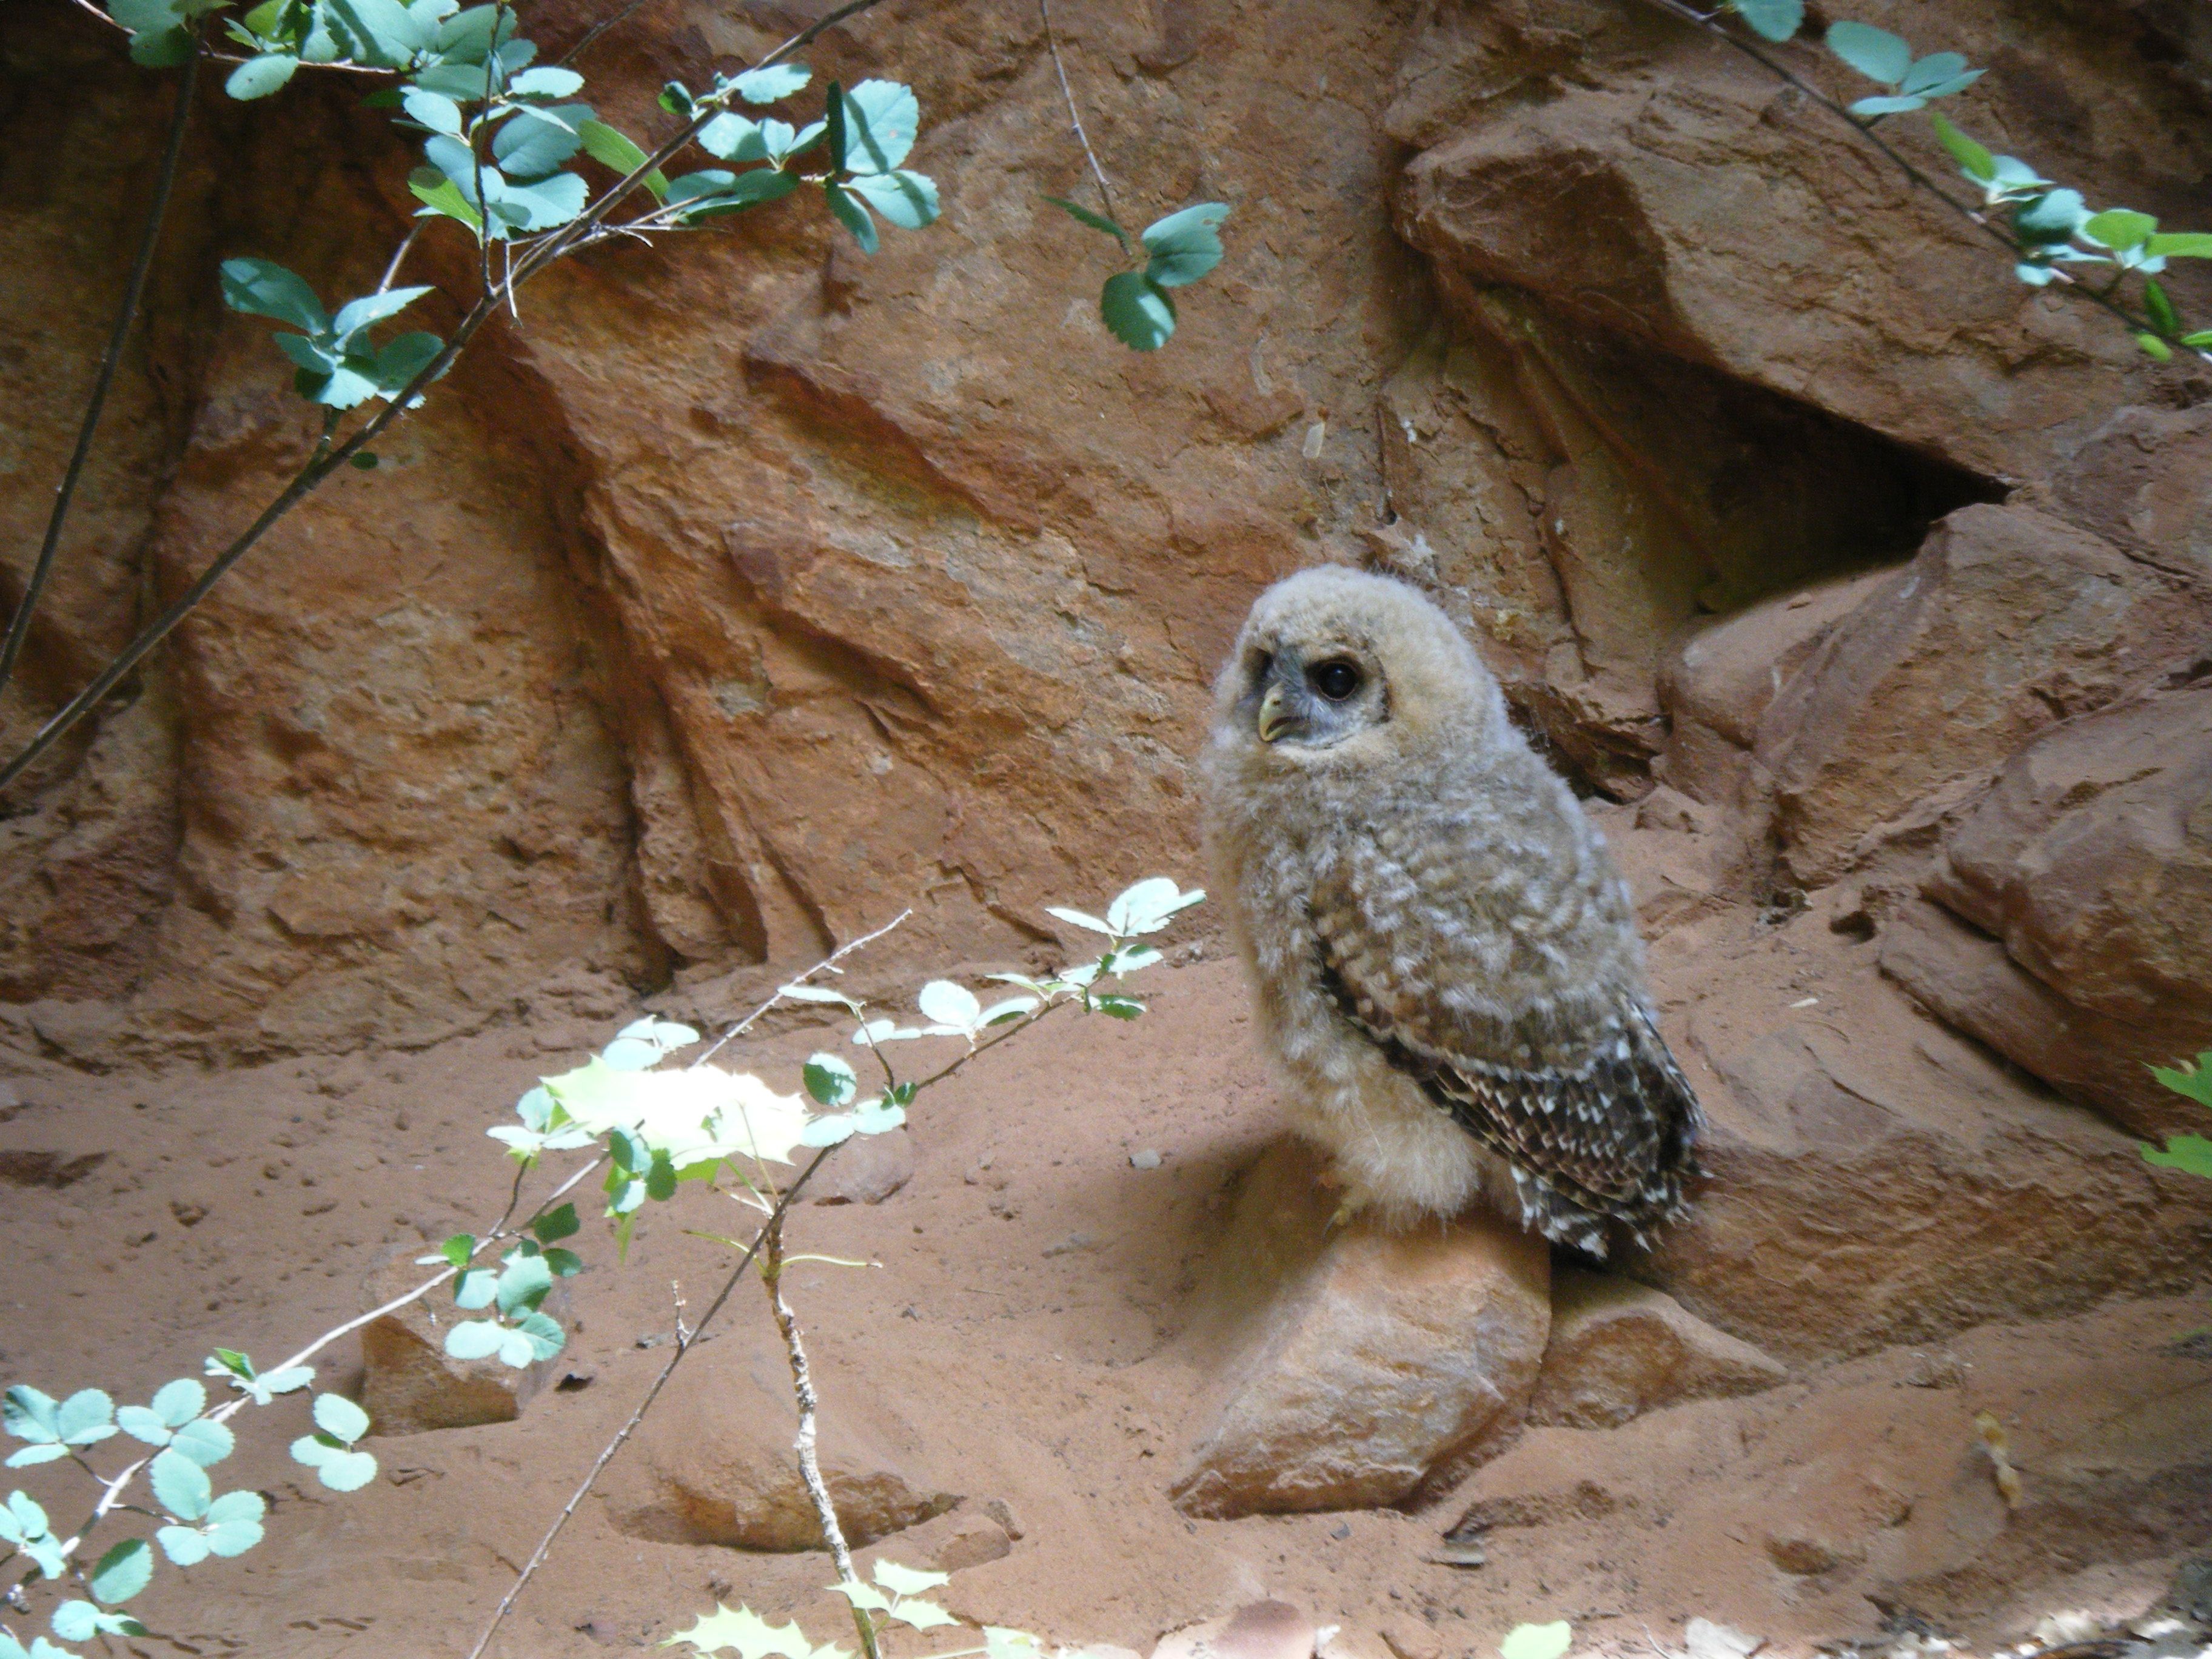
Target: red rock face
[{"x": 750, "y": 590}]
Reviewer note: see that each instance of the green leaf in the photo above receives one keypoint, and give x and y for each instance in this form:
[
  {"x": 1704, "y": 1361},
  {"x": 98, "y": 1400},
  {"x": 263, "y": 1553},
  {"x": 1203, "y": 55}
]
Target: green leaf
[
  {"x": 610, "y": 149},
  {"x": 1184, "y": 246},
  {"x": 2191, "y": 1152},
  {"x": 556, "y": 1225},
  {"x": 908, "y": 200},
  {"x": 1774, "y": 20},
  {"x": 122, "y": 1572},
  {"x": 180, "y": 1485},
  {"x": 881, "y": 120},
  {"x": 2163, "y": 317},
  {"x": 849, "y": 213},
  {"x": 233, "y": 1522},
  {"x": 660, "y": 1178},
  {"x": 177, "y": 1403},
  {"x": 2181, "y": 245},
  {"x": 371, "y": 308},
  {"x": 336, "y": 1465},
  {"x": 205, "y": 1442},
  {"x": 86, "y": 1418},
  {"x": 527, "y": 1278},
  {"x": 733, "y": 138},
  {"x": 772, "y": 84},
  {"x": 1084, "y": 215},
  {"x": 257, "y": 77},
  {"x": 1119, "y": 1008},
  {"x": 400, "y": 361},
  {"x": 829, "y": 1079},
  {"x": 261, "y": 287},
  {"x": 676, "y": 97},
  {"x": 832, "y": 1129},
  {"x": 551, "y": 82},
  {"x": 1147, "y": 906},
  {"x": 389, "y": 34},
  {"x": 459, "y": 1248},
  {"x": 1938, "y": 69},
  {"x": 2053, "y": 216},
  {"x": 536, "y": 1336},
  {"x": 537, "y": 141},
  {"x": 30, "y": 1414},
  {"x": 1977, "y": 162},
  {"x": 439, "y": 195},
  {"x": 1537, "y": 1641},
  {"x": 80, "y": 1621},
  {"x": 833, "y": 112},
  {"x": 1891, "y": 105},
  {"x": 475, "y": 1339},
  {"x": 433, "y": 110},
  {"x": 474, "y": 1289},
  {"x": 339, "y": 1418},
  {"x": 1878, "y": 55},
  {"x": 1136, "y": 311},
  {"x": 2119, "y": 228}
]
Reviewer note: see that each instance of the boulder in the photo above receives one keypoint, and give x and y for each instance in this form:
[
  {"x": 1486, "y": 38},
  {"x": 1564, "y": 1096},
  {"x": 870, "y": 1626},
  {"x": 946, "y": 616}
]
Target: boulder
[
  {"x": 1718, "y": 683},
  {"x": 1653, "y": 186},
  {"x": 1872, "y": 1179},
  {"x": 2006, "y": 623},
  {"x": 1620, "y": 1349},
  {"x": 1356, "y": 1364},
  {"x": 410, "y": 1385},
  {"x": 2086, "y": 876},
  {"x": 867, "y": 1170},
  {"x": 713, "y": 1464}
]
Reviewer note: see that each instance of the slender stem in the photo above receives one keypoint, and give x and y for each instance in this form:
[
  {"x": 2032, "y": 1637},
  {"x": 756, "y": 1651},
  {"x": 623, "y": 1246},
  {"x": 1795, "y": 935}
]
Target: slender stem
[
  {"x": 1074, "y": 115},
  {"x": 621, "y": 1437},
  {"x": 826, "y": 964},
  {"x": 1974, "y": 216},
  {"x": 134, "y": 291},
  {"x": 399, "y": 255},
  {"x": 802, "y": 1391}
]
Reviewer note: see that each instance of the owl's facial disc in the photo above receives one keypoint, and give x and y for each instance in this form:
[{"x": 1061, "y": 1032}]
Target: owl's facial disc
[{"x": 1315, "y": 698}]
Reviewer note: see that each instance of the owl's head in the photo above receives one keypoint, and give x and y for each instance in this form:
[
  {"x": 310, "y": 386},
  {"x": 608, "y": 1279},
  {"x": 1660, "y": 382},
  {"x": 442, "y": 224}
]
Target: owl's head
[{"x": 1335, "y": 665}]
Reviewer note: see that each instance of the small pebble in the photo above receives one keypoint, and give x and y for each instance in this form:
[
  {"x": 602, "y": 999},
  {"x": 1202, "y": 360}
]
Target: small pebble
[{"x": 1147, "y": 1159}]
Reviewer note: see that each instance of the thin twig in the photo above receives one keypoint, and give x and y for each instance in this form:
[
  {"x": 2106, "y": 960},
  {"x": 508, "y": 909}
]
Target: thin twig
[
  {"x": 1075, "y": 116},
  {"x": 810, "y": 1465},
  {"x": 1974, "y": 216},
  {"x": 19, "y": 626},
  {"x": 606, "y": 1454},
  {"x": 827, "y": 964},
  {"x": 399, "y": 255}
]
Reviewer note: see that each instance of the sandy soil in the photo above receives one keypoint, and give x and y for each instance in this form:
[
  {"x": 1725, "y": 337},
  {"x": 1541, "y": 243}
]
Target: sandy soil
[{"x": 1018, "y": 1336}]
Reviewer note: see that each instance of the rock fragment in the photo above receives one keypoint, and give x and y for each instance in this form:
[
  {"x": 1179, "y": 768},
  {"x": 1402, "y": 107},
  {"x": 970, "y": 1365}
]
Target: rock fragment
[
  {"x": 1620, "y": 1349},
  {"x": 410, "y": 1385},
  {"x": 1356, "y": 1363}
]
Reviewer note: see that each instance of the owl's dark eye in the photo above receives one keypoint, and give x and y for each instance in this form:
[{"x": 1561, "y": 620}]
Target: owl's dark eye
[{"x": 1334, "y": 680}]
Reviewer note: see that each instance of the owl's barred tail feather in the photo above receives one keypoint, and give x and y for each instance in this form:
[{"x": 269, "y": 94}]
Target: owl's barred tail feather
[{"x": 1609, "y": 1144}]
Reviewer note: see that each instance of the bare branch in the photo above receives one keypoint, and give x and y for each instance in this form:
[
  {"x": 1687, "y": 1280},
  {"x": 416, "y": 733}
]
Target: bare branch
[
  {"x": 1074, "y": 115},
  {"x": 134, "y": 291}
]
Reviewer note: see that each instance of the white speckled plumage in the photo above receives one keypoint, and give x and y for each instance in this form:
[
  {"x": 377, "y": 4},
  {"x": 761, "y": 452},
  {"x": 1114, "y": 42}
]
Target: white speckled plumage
[{"x": 1444, "y": 960}]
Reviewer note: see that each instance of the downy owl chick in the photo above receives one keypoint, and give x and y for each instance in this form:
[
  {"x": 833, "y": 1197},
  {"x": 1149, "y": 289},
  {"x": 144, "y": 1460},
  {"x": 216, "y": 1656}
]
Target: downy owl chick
[{"x": 1445, "y": 961}]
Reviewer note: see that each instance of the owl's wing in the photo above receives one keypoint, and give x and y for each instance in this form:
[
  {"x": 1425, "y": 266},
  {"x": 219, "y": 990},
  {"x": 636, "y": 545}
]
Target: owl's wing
[{"x": 1602, "y": 1128}]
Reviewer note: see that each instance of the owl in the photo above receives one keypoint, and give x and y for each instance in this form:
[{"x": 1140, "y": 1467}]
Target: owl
[{"x": 1444, "y": 960}]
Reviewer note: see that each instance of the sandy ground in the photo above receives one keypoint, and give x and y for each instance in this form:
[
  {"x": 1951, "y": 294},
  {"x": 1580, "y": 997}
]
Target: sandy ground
[{"x": 1018, "y": 1338}]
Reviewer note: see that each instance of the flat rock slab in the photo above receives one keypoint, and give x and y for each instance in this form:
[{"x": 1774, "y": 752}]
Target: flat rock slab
[
  {"x": 1355, "y": 1362},
  {"x": 1620, "y": 1349}
]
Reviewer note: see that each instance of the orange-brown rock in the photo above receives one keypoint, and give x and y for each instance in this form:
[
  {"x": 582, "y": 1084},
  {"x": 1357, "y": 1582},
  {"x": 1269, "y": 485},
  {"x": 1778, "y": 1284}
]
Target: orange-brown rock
[{"x": 1352, "y": 1364}]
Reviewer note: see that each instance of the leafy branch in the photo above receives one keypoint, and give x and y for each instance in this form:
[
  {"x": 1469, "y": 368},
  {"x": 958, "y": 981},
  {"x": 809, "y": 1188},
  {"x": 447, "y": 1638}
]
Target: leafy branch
[{"x": 2043, "y": 227}]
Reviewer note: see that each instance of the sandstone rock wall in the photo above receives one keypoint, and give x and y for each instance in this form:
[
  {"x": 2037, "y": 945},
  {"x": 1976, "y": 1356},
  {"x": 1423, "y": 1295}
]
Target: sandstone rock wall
[{"x": 750, "y": 589}]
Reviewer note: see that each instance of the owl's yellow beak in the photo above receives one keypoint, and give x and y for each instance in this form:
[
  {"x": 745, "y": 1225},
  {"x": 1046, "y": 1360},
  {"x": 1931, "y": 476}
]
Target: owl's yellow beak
[{"x": 1275, "y": 718}]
